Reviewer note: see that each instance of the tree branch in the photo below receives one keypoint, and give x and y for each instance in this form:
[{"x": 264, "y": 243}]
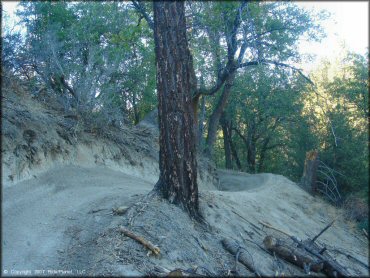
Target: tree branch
[
  {"x": 141, "y": 9},
  {"x": 275, "y": 29},
  {"x": 266, "y": 62}
]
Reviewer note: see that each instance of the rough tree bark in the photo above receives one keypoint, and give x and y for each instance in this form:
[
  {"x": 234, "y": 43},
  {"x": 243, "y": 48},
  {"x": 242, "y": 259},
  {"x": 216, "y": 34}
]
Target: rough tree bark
[{"x": 175, "y": 85}]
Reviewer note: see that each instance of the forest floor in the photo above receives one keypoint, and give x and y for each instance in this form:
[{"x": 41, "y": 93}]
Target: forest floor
[{"x": 60, "y": 187}]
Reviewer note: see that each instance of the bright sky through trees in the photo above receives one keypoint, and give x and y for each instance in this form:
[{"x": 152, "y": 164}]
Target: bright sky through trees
[{"x": 347, "y": 24}]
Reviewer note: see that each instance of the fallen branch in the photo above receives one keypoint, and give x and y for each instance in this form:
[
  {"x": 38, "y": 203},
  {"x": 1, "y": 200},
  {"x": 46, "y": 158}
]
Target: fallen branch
[
  {"x": 292, "y": 255},
  {"x": 323, "y": 230},
  {"x": 141, "y": 240},
  {"x": 235, "y": 249},
  {"x": 96, "y": 210},
  {"x": 365, "y": 233},
  {"x": 331, "y": 268},
  {"x": 273, "y": 228},
  {"x": 256, "y": 228}
]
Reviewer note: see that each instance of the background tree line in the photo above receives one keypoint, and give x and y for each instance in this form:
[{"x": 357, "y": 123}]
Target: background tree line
[{"x": 255, "y": 110}]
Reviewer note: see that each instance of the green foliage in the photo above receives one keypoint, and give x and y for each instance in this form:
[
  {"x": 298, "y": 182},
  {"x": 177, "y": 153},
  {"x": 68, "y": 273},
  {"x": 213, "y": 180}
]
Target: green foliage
[
  {"x": 100, "y": 51},
  {"x": 338, "y": 113},
  {"x": 104, "y": 51}
]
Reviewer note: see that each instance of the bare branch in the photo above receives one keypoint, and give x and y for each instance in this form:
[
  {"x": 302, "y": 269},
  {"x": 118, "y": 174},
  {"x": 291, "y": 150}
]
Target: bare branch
[
  {"x": 275, "y": 29},
  {"x": 264, "y": 61},
  {"x": 141, "y": 9}
]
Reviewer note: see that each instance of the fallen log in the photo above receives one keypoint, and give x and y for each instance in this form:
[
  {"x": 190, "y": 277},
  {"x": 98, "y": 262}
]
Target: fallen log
[
  {"x": 331, "y": 267},
  {"x": 141, "y": 240},
  {"x": 292, "y": 255},
  {"x": 235, "y": 249}
]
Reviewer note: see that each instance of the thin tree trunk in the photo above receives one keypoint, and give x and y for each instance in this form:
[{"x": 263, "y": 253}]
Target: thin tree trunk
[
  {"x": 263, "y": 154},
  {"x": 175, "y": 85},
  {"x": 135, "y": 110},
  {"x": 251, "y": 147},
  {"x": 216, "y": 115},
  {"x": 201, "y": 121},
  {"x": 235, "y": 155},
  {"x": 226, "y": 130}
]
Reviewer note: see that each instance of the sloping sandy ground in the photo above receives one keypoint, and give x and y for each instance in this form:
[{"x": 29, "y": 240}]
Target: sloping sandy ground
[{"x": 62, "y": 220}]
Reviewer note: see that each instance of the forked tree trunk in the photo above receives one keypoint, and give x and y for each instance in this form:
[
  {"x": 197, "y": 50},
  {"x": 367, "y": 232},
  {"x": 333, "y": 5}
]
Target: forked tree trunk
[
  {"x": 216, "y": 115},
  {"x": 175, "y": 83}
]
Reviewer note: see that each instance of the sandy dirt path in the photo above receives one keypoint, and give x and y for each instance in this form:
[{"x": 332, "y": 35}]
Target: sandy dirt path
[
  {"x": 39, "y": 215},
  {"x": 48, "y": 222}
]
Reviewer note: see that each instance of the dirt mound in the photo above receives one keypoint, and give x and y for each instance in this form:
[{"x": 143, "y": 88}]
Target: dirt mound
[
  {"x": 239, "y": 181},
  {"x": 197, "y": 248}
]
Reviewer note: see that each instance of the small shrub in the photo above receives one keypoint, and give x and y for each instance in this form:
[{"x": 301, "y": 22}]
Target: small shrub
[{"x": 356, "y": 208}]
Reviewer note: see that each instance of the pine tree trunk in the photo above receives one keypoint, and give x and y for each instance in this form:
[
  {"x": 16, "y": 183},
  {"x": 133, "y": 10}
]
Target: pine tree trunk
[{"x": 175, "y": 84}]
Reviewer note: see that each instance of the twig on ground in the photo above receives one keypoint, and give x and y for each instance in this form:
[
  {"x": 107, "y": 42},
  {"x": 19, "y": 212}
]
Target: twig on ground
[
  {"x": 273, "y": 228},
  {"x": 141, "y": 240},
  {"x": 365, "y": 233},
  {"x": 96, "y": 210},
  {"x": 323, "y": 230},
  {"x": 246, "y": 220}
]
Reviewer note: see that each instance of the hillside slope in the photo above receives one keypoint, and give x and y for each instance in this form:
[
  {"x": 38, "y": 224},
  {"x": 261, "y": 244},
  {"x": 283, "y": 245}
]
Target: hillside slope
[{"x": 60, "y": 182}]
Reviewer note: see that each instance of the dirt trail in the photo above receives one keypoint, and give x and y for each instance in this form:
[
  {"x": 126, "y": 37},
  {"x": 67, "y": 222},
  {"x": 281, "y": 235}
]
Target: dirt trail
[{"x": 40, "y": 214}]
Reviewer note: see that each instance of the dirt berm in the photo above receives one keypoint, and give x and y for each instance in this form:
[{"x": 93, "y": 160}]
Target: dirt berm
[{"x": 61, "y": 180}]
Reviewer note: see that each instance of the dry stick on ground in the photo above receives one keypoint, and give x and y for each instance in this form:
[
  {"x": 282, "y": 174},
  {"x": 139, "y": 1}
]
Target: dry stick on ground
[
  {"x": 256, "y": 228},
  {"x": 141, "y": 240},
  {"x": 273, "y": 228},
  {"x": 365, "y": 233},
  {"x": 235, "y": 249},
  {"x": 323, "y": 230}
]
